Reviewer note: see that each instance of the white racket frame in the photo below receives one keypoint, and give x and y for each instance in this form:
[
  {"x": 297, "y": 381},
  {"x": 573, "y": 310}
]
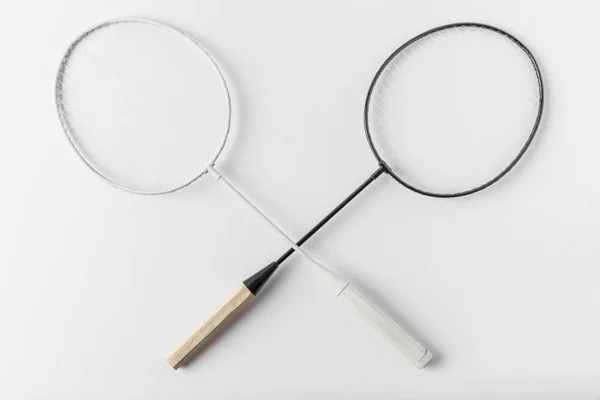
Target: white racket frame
[{"x": 64, "y": 120}]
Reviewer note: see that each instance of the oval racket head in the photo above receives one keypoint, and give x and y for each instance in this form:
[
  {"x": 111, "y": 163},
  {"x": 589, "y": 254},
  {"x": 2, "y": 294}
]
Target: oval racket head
[
  {"x": 453, "y": 110},
  {"x": 145, "y": 106}
]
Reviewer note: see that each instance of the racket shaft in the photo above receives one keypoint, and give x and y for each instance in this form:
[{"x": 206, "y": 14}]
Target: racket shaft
[
  {"x": 413, "y": 350},
  {"x": 210, "y": 327}
]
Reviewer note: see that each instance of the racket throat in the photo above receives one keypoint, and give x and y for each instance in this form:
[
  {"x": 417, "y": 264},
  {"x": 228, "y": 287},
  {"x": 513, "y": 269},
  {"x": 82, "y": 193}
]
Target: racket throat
[{"x": 257, "y": 281}]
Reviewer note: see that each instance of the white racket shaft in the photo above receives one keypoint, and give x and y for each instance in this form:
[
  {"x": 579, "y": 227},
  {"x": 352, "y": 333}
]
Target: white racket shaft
[{"x": 416, "y": 353}]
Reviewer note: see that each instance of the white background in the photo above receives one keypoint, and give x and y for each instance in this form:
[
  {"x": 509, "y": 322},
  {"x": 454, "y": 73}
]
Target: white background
[{"x": 96, "y": 285}]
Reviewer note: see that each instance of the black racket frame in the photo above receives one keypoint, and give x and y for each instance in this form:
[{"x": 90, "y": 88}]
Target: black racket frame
[{"x": 256, "y": 281}]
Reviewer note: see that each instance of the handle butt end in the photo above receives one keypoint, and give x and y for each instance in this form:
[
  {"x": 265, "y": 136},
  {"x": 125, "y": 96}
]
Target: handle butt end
[
  {"x": 173, "y": 362},
  {"x": 424, "y": 360}
]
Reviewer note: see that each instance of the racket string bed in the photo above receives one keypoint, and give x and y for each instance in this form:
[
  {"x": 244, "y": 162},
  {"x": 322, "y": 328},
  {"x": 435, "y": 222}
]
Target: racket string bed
[{"x": 134, "y": 93}]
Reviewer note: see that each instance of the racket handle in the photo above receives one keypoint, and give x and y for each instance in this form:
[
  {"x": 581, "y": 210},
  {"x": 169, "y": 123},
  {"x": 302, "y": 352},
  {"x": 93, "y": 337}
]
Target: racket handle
[
  {"x": 201, "y": 335},
  {"x": 413, "y": 350},
  {"x": 243, "y": 295}
]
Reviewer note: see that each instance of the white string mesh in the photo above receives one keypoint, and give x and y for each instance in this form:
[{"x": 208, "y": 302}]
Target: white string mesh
[
  {"x": 451, "y": 111},
  {"x": 145, "y": 106}
]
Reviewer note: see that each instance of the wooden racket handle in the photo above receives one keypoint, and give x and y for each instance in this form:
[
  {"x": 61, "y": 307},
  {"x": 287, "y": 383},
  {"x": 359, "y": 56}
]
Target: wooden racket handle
[{"x": 209, "y": 327}]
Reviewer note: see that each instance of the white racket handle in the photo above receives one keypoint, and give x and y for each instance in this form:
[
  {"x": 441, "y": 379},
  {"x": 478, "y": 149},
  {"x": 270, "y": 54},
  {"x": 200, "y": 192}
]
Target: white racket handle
[{"x": 413, "y": 350}]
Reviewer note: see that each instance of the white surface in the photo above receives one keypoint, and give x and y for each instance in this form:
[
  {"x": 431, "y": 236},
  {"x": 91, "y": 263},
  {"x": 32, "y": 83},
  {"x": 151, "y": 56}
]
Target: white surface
[{"x": 97, "y": 284}]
